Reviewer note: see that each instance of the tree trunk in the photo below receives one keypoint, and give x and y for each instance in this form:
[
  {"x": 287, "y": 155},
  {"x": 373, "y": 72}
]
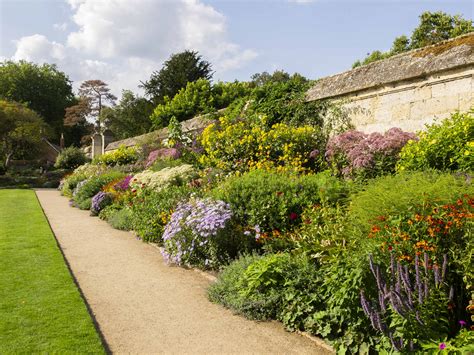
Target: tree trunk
[{"x": 7, "y": 160}]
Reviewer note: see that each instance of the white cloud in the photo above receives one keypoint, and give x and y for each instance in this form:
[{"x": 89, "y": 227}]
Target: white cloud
[
  {"x": 123, "y": 41},
  {"x": 39, "y": 49},
  {"x": 60, "y": 26}
]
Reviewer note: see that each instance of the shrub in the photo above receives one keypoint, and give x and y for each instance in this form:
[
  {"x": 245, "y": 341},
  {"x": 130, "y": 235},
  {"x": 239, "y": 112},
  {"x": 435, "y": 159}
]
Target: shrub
[
  {"x": 357, "y": 155},
  {"x": 117, "y": 216},
  {"x": 92, "y": 186},
  {"x": 70, "y": 158},
  {"x": 122, "y": 156},
  {"x": 398, "y": 194},
  {"x": 151, "y": 210},
  {"x": 240, "y": 147},
  {"x": 164, "y": 178},
  {"x": 275, "y": 286},
  {"x": 273, "y": 202},
  {"x": 448, "y": 145},
  {"x": 201, "y": 232}
]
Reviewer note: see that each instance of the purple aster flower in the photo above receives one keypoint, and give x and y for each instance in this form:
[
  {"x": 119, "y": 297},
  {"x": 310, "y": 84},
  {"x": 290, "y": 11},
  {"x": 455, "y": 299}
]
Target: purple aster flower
[{"x": 442, "y": 346}]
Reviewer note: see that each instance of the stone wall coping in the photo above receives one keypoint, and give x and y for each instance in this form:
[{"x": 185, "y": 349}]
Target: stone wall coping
[{"x": 446, "y": 55}]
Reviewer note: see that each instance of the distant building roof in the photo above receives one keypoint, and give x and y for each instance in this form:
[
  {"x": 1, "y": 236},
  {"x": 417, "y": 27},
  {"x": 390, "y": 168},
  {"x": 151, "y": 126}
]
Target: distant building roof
[{"x": 450, "y": 54}]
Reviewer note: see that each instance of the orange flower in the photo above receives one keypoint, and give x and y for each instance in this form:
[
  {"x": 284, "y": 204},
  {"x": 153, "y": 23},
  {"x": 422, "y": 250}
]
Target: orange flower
[
  {"x": 418, "y": 217},
  {"x": 375, "y": 229}
]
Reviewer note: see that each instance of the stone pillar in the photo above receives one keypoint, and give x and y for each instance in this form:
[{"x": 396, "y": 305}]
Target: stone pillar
[{"x": 97, "y": 145}]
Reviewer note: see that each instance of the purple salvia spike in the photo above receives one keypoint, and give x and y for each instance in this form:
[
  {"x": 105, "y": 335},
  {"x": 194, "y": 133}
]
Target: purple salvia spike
[
  {"x": 399, "y": 272},
  {"x": 371, "y": 264},
  {"x": 426, "y": 264},
  {"x": 394, "y": 303},
  {"x": 436, "y": 275},
  {"x": 445, "y": 266},
  {"x": 417, "y": 316},
  {"x": 418, "y": 281},
  {"x": 407, "y": 278},
  {"x": 426, "y": 293},
  {"x": 394, "y": 343},
  {"x": 392, "y": 265}
]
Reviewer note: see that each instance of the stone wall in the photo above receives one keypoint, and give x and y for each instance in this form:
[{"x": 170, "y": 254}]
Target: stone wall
[
  {"x": 410, "y": 105},
  {"x": 408, "y": 90},
  {"x": 190, "y": 126}
]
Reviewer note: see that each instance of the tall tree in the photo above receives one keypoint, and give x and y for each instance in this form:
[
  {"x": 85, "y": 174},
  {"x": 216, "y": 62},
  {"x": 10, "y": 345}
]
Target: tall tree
[
  {"x": 177, "y": 71},
  {"x": 433, "y": 28},
  {"x": 42, "y": 88},
  {"x": 438, "y": 26},
  {"x": 130, "y": 117},
  {"x": 21, "y": 130},
  {"x": 93, "y": 96}
]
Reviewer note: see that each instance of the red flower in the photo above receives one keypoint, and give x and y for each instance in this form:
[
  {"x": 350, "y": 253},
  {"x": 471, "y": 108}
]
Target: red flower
[{"x": 293, "y": 216}]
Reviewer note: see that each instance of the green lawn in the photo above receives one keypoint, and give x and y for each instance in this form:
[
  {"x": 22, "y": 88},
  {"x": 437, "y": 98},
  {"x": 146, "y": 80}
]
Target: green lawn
[{"x": 41, "y": 309}]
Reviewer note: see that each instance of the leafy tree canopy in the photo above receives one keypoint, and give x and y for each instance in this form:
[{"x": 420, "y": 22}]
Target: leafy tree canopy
[
  {"x": 43, "y": 88},
  {"x": 130, "y": 117},
  {"x": 21, "y": 130},
  {"x": 177, "y": 71},
  {"x": 198, "y": 97},
  {"x": 434, "y": 27}
]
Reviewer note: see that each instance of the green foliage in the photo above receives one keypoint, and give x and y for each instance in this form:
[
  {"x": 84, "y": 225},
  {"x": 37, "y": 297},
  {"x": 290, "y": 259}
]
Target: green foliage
[
  {"x": 292, "y": 289},
  {"x": 197, "y": 97},
  {"x": 151, "y": 210},
  {"x": 118, "y": 216},
  {"x": 448, "y": 145},
  {"x": 70, "y": 158},
  {"x": 92, "y": 186},
  {"x": 278, "y": 286},
  {"x": 20, "y": 131},
  {"x": 130, "y": 117},
  {"x": 463, "y": 343},
  {"x": 393, "y": 195},
  {"x": 179, "y": 70},
  {"x": 282, "y": 101},
  {"x": 273, "y": 201},
  {"x": 42, "y": 88},
  {"x": 324, "y": 234},
  {"x": 260, "y": 79},
  {"x": 438, "y": 26},
  {"x": 434, "y": 27},
  {"x": 122, "y": 156},
  {"x": 372, "y": 57}
]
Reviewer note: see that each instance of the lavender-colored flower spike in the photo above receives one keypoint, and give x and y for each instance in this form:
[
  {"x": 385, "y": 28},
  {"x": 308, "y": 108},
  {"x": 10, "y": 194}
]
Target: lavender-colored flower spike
[
  {"x": 445, "y": 266},
  {"x": 436, "y": 275},
  {"x": 418, "y": 280}
]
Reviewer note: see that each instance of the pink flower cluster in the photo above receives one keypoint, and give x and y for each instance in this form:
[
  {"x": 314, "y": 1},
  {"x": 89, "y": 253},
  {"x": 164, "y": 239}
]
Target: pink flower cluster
[
  {"x": 162, "y": 153},
  {"x": 353, "y": 152}
]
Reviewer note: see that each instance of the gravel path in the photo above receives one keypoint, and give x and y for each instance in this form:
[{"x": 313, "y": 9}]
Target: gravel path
[{"x": 144, "y": 306}]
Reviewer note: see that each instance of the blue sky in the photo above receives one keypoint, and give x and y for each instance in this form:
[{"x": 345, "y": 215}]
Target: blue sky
[{"x": 123, "y": 41}]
